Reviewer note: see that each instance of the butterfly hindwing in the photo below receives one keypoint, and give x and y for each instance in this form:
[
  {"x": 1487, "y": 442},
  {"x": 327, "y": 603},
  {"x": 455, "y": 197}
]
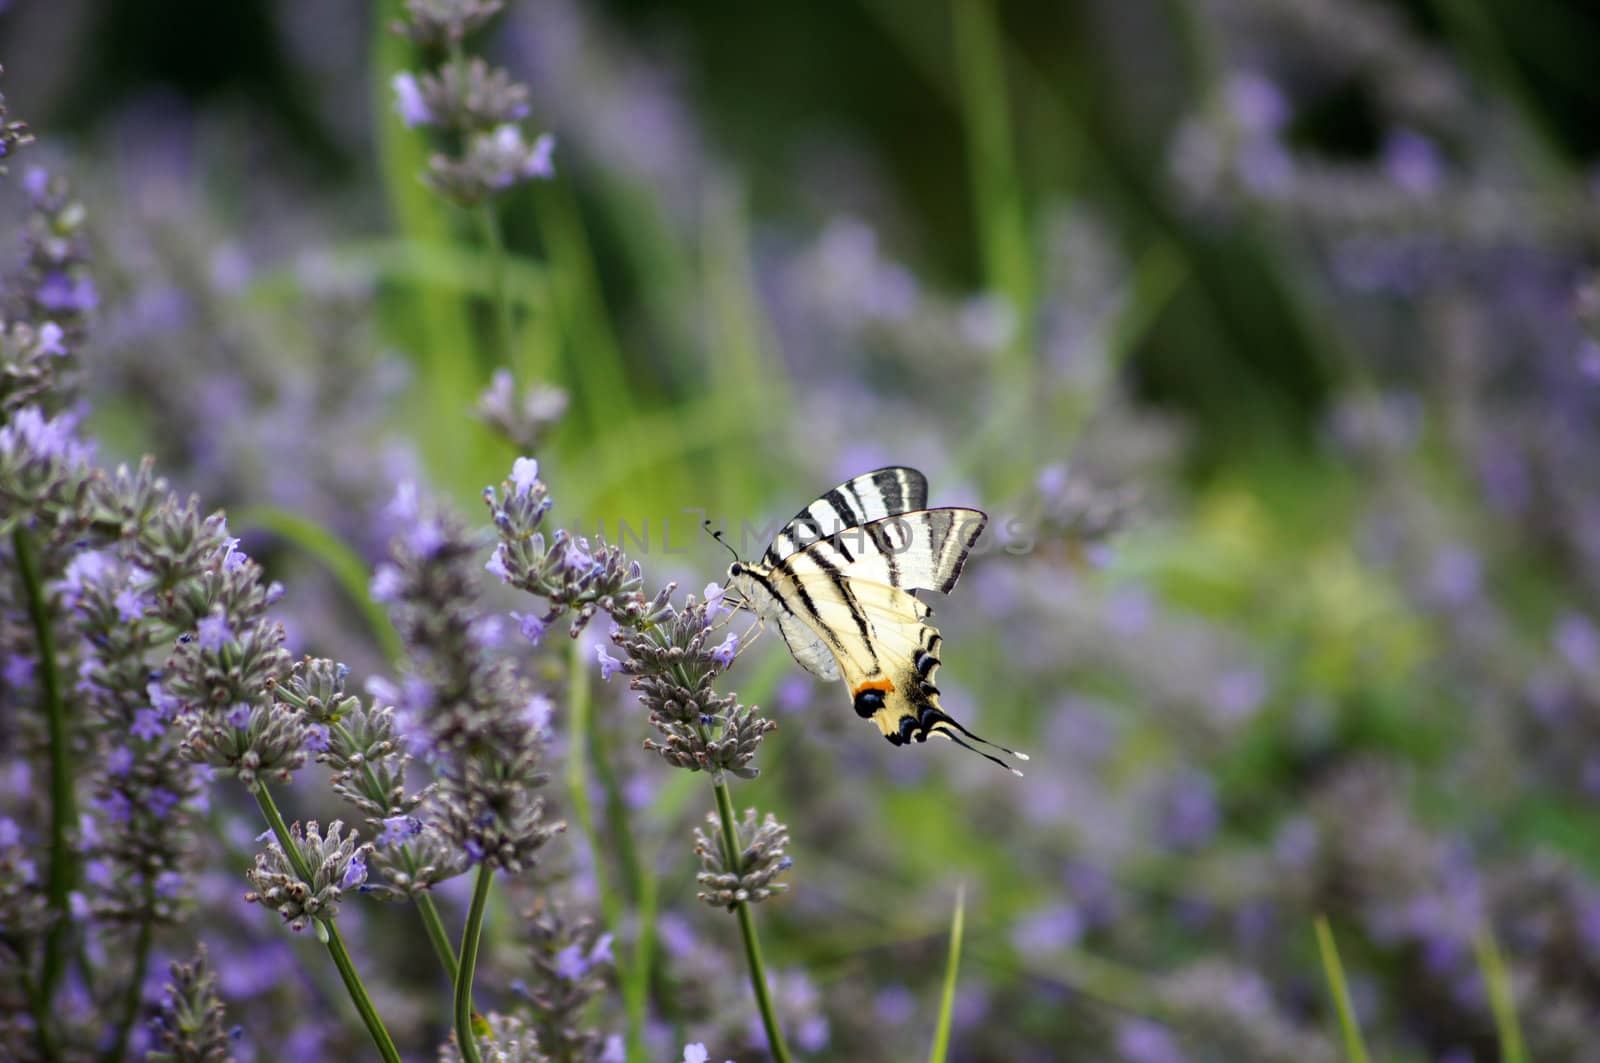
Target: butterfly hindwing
[{"x": 862, "y": 500}]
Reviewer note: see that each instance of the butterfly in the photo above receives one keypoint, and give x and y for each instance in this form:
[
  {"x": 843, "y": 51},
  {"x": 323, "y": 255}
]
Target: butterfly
[{"x": 838, "y": 582}]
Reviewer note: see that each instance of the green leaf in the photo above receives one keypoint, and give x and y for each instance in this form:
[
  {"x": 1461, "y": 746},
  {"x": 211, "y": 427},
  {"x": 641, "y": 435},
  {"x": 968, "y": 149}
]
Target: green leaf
[
  {"x": 1493, "y": 966},
  {"x": 1334, "y": 970},
  {"x": 343, "y": 563},
  {"x": 941, "y": 1030}
]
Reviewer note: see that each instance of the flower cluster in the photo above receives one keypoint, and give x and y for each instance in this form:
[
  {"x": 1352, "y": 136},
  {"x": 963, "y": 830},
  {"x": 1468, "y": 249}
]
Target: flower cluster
[
  {"x": 14, "y": 134},
  {"x": 526, "y": 421},
  {"x": 138, "y": 849},
  {"x": 753, "y": 875},
  {"x": 478, "y": 106},
  {"x": 367, "y": 753},
  {"x": 230, "y": 655},
  {"x": 509, "y": 1040},
  {"x": 571, "y": 961},
  {"x": 673, "y": 665},
  {"x": 336, "y": 862},
  {"x": 191, "y": 1025},
  {"x": 55, "y": 284},
  {"x": 569, "y": 572},
  {"x": 479, "y": 723}
]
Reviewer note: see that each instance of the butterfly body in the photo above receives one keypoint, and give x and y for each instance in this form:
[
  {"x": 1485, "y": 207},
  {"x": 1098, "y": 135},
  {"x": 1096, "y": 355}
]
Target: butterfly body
[{"x": 838, "y": 584}]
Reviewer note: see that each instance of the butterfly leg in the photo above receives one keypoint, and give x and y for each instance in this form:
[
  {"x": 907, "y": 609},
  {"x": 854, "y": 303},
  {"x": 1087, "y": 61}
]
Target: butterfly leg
[{"x": 749, "y": 637}]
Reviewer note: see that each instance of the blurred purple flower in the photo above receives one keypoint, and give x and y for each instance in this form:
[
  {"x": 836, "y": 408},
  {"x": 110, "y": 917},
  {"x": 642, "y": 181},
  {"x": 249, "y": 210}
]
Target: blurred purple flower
[
  {"x": 1050, "y": 930},
  {"x": 58, "y": 292},
  {"x": 213, "y": 631},
  {"x": 531, "y": 626},
  {"x": 130, "y": 605},
  {"x": 50, "y": 336},
  {"x": 18, "y": 671},
  {"x": 609, "y": 665},
  {"x": 165, "y": 704},
  {"x": 120, "y": 760},
  {"x": 408, "y": 101},
  {"x": 1144, "y": 1041},
  {"x": 1256, "y": 103},
  {"x": 147, "y": 725},
  {"x": 1189, "y": 816},
  {"x": 1578, "y": 642},
  {"x": 387, "y": 583},
  {"x": 239, "y": 716},
  {"x": 1412, "y": 163}
]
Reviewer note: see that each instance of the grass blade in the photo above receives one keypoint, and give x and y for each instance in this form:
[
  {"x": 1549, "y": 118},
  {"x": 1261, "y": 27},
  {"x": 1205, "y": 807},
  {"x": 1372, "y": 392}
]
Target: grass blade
[
  {"x": 1501, "y": 999},
  {"x": 941, "y": 1030},
  {"x": 1353, "y": 1046},
  {"x": 343, "y": 563}
]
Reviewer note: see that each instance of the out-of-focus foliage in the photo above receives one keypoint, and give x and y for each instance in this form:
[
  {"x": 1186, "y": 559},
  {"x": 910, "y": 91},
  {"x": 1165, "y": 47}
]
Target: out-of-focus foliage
[{"x": 1266, "y": 331}]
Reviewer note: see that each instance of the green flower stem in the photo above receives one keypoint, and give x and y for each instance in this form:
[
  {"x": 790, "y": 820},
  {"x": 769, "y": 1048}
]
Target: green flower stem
[
  {"x": 63, "y": 800},
  {"x": 747, "y": 927},
  {"x": 41, "y": 1014},
  {"x": 466, "y": 1040},
  {"x": 616, "y": 807},
  {"x": 489, "y": 229},
  {"x": 135, "y": 991},
  {"x": 436, "y": 934},
  {"x": 335, "y": 942},
  {"x": 579, "y": 710}
]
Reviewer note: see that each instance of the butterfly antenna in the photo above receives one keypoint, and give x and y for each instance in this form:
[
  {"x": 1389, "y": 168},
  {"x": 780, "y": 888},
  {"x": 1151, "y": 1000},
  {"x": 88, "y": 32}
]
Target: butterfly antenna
[
  {"x": 974, "y": 749},
  {"x": 717, "y": 535}
]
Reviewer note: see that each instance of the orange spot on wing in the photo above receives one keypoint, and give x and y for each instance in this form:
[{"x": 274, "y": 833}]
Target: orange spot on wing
[{"x": 873, "y": 684}]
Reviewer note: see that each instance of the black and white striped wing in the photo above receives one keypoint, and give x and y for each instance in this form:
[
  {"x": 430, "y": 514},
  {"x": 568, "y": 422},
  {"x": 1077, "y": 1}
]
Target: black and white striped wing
[
  {"x": 867, "y": 498},
  {"x": 922, "y": 550}
]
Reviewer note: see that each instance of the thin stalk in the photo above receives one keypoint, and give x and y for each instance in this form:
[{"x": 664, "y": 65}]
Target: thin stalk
[
  {"x": 63, "y": 801},
  {"x": 747, "y": 927},
  {"x": 1501, "y": 1000},
  {"x": 41, "y": 1016},
  {"x": 947, "y": 998},
  {"x": 616, "y": 807},
  {"x": 489, "y": 229},
  {"x": 577, "y": 778},
  {"x": 436, "y": 934},
  {"x": 466, "y": 1040},
  {"x": 135, "y": 991},
  {"x": 1354, "y": 1047},
  {"x": 335, "y": 942}
]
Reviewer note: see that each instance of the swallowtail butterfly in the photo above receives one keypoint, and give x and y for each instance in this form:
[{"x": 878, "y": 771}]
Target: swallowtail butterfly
[{"x": 838, "y": 581}]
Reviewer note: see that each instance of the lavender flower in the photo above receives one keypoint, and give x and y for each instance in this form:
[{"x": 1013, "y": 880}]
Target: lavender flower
[
  {"x": 479, "y": 739},
  {"x": 476, "y": 105},
  {"x": 510, "y": 1040},
  {"x": 761, "y": 860},
  {"x": 571, "y": 961},
  {"x": 329, "y": 856},
  {"x": 527, "y": 422},
  {"x": 191, "y": 1026}
]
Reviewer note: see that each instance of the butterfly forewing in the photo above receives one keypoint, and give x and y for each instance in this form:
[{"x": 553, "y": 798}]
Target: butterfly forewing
[
  {"x": 869, "y": 497},
  {"x": 924, "y": 550}
]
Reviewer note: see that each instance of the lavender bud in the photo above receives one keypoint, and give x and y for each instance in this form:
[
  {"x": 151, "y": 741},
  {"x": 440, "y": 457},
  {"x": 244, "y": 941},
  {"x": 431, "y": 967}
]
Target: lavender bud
[
  {"x": 760, "y": 861},
  {"x": 335, "y": 861},
  {"x": 191, "y": 1026}
]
